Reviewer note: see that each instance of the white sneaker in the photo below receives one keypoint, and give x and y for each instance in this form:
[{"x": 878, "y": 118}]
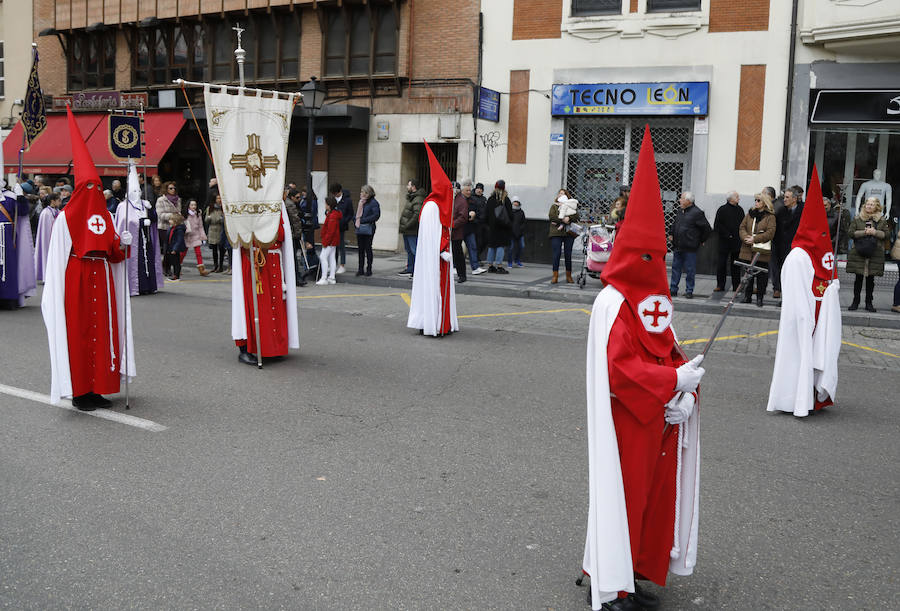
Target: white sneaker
[
  {"x": 322, "y": 281},
  {"x": 480, "y": 270},
  {"x": 332, "y": 281},
  {"x": 340, "y": 269}
]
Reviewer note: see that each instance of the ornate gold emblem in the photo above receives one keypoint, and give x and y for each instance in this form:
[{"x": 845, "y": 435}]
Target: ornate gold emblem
[
  {"x": 217, "y": 114},
  {"x": 253, "y": 162},
  {"x": 125, "y": 136}
]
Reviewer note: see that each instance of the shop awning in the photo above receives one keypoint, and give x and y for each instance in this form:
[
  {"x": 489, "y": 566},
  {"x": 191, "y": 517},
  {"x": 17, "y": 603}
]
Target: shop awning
[{"x": 51, "y": 153}]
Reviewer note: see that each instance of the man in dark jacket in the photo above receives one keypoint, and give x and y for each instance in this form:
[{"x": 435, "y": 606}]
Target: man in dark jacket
[
  {"x": 479, "y": 204},
  {"x": 687, "y": 233},
  {"x": 409, "y": 223},
  {"x": 345, "y": 206},
  {"x": 727, "y": 225},
  {"x": 787, "y": 220},
  {"x": 474, "y": 220},
  {"x": 460, "y": 218}
]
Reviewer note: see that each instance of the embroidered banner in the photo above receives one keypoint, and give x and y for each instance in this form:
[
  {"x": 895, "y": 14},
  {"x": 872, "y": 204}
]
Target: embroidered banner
[
  {"x": 248, "y": 137},
  {"x": 125, "y": 141}
]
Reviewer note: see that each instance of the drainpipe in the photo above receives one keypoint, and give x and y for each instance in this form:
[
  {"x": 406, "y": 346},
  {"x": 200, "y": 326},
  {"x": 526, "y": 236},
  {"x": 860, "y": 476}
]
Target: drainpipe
[
  {"x": 790, "y": 96},
  {"x": 477, "y": 91}
]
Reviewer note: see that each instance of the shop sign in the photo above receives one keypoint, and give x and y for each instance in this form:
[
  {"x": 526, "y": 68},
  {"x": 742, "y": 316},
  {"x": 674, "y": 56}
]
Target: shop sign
[
  {"x": 488, "y": 104},
  {"x": 631, "y": 99},
  {"x": 856, "y": 106},
  {"x": 102, "y": 100}
]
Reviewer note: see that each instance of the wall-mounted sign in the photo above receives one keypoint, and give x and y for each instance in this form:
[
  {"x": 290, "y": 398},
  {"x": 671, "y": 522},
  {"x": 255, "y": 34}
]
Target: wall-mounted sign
[
  {"x": 383, "y": 130},
  {"x": 489, "y": 104},
  {"x": 631, "y": 99},
  {"x": 101, "y": 100},
  {"x": 855, "y": 106},
  {"x": 556, "y": 138}
]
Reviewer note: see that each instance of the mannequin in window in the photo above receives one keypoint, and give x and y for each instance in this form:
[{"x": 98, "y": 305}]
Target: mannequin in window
[{"x": 874, "y": 188}]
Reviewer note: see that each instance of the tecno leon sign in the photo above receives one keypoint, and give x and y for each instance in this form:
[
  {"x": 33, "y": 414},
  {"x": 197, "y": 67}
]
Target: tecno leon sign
[{"x": 631, "y": 99}]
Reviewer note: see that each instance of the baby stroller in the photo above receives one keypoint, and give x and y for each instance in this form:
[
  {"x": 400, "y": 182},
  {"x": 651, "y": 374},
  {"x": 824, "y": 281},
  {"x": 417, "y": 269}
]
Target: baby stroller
[{"x": 596, "y": 246}]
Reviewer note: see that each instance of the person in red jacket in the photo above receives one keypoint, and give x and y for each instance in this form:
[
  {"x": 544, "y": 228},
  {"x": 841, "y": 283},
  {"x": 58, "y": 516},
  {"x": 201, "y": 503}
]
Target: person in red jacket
[{"x": 331, "y": 237}]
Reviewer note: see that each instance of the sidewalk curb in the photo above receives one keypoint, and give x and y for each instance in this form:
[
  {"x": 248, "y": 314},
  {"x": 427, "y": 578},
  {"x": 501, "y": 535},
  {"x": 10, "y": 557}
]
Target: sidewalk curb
[{"x": 586, "y": 297}]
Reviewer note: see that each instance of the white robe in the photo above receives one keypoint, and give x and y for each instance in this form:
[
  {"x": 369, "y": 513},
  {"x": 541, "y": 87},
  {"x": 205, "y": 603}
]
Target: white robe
[
  {"x": 238, "y": 316},
  {"x": 53, "y": 310},
  {"x": 807, "y": 352},
  {"x": 607, "y": 549},
  {"x": 425, "y": 299}
]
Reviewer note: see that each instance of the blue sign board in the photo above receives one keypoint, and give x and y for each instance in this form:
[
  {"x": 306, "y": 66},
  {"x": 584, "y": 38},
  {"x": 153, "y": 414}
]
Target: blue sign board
[
  {"x": 125, "y": 137},
  {"x": 631, "y": 99},
  {"x": 489, "y": 104}
]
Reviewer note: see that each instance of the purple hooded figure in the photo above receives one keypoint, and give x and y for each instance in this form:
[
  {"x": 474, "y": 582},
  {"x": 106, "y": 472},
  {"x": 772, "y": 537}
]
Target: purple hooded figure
[
  {"x": 145, "y": 275},
  {"x": 42, "y": 238},
  {"x": 16, "y": 249}
]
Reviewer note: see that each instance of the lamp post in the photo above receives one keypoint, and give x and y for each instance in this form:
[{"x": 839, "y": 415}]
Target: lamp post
[{"x": 313, "y": 97}]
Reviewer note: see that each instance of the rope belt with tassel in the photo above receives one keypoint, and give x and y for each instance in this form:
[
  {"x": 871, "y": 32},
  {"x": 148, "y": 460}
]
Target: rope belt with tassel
[{"x": 260, "y": 262}]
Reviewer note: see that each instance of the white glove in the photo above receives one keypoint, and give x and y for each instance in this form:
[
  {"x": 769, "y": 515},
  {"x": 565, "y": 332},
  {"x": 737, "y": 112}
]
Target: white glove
[
  {"x": 17, "y": 190},
  {"x": 680, "y": 408},
  {"x": 147, "y": 204},
  {"x": 284, "y": 291},
  {"x": 446, "y": 256},
  {"x": 125, "y": 239},
  {"x": 146, "y": 222},
  {"x": 689, "y": 374}
]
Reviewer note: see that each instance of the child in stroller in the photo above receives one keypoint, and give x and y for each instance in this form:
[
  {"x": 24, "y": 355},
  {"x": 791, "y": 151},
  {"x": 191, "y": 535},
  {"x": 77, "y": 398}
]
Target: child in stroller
[{"x": 597, "y": 244}]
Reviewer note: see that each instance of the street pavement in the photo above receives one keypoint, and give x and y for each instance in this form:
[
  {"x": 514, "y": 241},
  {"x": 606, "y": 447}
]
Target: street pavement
[
  {"x": 533, "y": 281},
  {"x": 378, "y": 469}
]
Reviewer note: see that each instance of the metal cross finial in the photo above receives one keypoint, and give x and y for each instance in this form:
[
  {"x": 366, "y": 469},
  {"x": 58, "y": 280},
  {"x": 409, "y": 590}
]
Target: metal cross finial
[{"x": 239, "y": 31}]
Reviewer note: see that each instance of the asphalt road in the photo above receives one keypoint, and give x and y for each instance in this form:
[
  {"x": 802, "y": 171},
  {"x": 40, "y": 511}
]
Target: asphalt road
[{"x": 377, "y": 469}]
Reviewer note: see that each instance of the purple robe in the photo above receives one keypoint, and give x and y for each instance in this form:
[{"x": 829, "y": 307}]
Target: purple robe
[
  {"x": 145, "y": 275},
  {"x": 16, "y": 251},
  {"x": 42, "y": 241}
]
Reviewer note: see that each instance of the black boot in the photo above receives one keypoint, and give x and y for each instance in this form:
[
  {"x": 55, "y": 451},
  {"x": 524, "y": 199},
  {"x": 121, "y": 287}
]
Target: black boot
[
  {"x": 870, "y": 307},
  {"x": 759, "y": 301},
  {"x": 84, "y": 403},
  {"x": 854, "y": 305},
  {"x": 870, "y": 293},
  {"x": 99, "y": 400},
  {"x": 748, "y": 297},
  {"x": 245, "y": 357}
]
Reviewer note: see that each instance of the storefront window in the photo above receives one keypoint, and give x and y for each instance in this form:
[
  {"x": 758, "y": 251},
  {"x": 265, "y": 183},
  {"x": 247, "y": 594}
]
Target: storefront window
[
  {"x": 846, "y": 158},
  {"x": 92, "y": 61}
]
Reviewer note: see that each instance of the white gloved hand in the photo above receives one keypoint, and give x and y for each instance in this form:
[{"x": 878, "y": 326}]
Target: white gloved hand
[
  {"x": 146, "y": 222},
  {"x": 689, "y": 374},
  {"x": 680, "y": 408},
  {"x": 147, "y": 204},
  {"x": 17, "y": 190},
  {"x": 446, "y": 256},
  {"x": 126, "y": 238}
]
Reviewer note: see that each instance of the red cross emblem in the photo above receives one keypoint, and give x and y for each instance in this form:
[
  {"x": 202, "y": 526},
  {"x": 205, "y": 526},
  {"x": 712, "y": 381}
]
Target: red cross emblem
[
  {"x": 96, "y": 224},
  {"x": 828, "y": 261},
  {"x": 656, "y": 313}
]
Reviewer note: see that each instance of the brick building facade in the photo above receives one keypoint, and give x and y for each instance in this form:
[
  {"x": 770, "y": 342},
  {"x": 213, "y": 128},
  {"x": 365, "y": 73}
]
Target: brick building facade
[{"x": 397, "y": 72}]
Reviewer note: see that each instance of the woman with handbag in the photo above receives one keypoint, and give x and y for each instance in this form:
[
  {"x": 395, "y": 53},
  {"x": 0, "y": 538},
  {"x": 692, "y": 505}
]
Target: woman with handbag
[
  {"x": 866, "y": 258},
  {"x": 367, "y": 213},
  {"x": 756, "y": 231}
]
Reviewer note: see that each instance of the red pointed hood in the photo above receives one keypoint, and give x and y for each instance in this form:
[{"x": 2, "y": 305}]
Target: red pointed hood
[
  {"x": 441, "y": 190},
  {"x": 637, "y": 265},
  {"x": 814, "y": 237},
  {"x": 88, "y": 220}
]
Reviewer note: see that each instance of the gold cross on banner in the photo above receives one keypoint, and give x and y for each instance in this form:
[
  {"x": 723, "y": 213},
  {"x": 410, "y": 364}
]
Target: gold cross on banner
[
  {"x": 253, "y": 162},
  {"x": 821, "y": 288}
]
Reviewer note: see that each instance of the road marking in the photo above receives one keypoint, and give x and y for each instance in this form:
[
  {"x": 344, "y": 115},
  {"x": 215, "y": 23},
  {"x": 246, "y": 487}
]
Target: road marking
[
  {"x": 896, "y": 356},
  {"x": 406, "y": 298},
  {"x": 523, "y": 313},
  {"x": 105, "y": 414}
]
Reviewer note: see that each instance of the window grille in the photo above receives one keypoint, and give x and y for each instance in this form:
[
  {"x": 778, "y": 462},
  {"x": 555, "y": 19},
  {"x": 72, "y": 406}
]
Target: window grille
[
  {"x": 672, "y": 5},
  {"x": 601, "y": 152},
  {"x": 582, "y": 8}
]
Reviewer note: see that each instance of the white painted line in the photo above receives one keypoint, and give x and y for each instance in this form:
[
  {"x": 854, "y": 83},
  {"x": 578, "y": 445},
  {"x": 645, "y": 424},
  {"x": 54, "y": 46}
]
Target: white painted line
[{"x": 105, "y": 414}]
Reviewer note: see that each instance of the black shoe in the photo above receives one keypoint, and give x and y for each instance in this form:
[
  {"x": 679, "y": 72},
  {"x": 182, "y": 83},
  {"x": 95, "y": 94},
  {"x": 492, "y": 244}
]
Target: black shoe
[
  {"x": 368, "y": 272},
  {"x": 360, "y": 273},
  {"x": 500, "y": 270},
  {"x": 688, "y": 295},
  {"x": 492, "y": 270},
  {"x": 100, "y": 401},
  {"x": 460, "y": 281},
  {"x": 854, "y": 306},
  {"x": 247, "y": 358},
  {"x": 870, "y": 307},
  {"x": 647, "y": 600},
  {"x": 759, "y": 301},
  {"x": 747, "y": 299},
  {"x": 623, "y": 604},
  {"x": 84, "y": 403}
]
